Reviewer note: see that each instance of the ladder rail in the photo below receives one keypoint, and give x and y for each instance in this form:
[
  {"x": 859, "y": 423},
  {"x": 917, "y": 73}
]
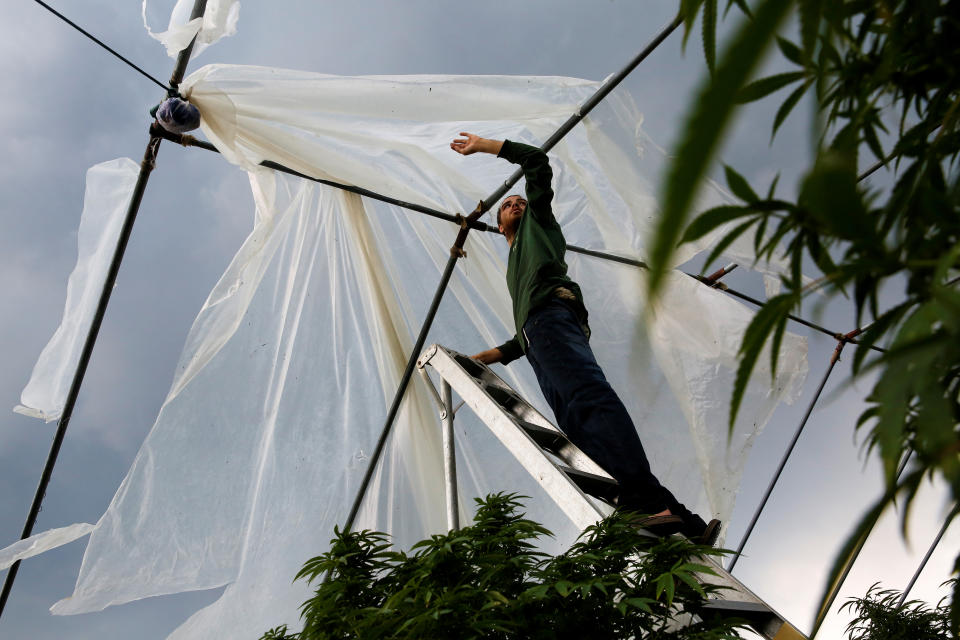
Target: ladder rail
[
  {"x": 510, "y": 417},
  {"x": 568, "y": 496}
]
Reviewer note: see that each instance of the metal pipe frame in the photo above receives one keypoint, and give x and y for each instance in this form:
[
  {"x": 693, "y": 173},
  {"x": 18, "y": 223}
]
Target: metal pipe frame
[
  {"x": 926, "y": 557},
  {"x": 450, "y": 458},
  {"x": 457, "y": 251},
  {"x": 835, "y": 590},
  {"x": 146, "y": 167},
  {"x": 786, "y": 456},
  {"x": 711, "y": 281},
  {"x": 471, "y": 222}
]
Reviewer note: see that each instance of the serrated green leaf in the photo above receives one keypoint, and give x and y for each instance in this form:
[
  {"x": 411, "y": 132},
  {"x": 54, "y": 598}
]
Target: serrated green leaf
[
  {"x": 790, "y": 51},
  {"x": 726, "y": 241},
  {"x": 830, "y": 194},
  {"x": 759, "y": 234},
  {"x": 739, "y": 185},
  {"x": 771, "y": 313},
  {"x": 773, "y": 186},
  {"x": 640, "y": 603},
  {"x": 765, "y": 86},
  {"x": 711, "y": 219},
  {"x": 741, "y": 4},
  {"x": 788, "y": 106},
  {"x": 705, "y": 126},
  {"x": 810, "y": 12},
  {"x": 870, "y": 135},
  {"x": 691, "y": 582},
  {"x": 709, "y": 27},
  {"x": 876, "y": 329},
  {"x": 689, "y": 10},
  {"x": 665, "y": 585}
]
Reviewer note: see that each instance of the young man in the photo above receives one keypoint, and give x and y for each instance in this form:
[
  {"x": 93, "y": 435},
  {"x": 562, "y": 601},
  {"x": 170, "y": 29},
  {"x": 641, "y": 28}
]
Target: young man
[{"x": 552, "y": 331}]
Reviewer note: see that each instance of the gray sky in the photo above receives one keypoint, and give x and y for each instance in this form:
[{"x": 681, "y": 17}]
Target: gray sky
[{"x": 70, "y": 105}]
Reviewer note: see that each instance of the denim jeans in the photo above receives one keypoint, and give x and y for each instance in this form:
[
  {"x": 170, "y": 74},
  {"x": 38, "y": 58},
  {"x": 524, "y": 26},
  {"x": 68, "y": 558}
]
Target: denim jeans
[{"x": 590, "y": 413}]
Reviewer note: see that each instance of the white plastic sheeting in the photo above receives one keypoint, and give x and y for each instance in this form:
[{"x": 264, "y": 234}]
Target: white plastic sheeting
[
  {"x": 105, "y": 201},
  {"x": 40, "y": 542},
  {"x": 219, "y": 21},
  {"x": 288, "y": 370}
]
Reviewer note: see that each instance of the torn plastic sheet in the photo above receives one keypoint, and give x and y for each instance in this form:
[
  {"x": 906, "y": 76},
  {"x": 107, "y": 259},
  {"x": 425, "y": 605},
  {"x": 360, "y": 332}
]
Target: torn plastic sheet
[
  {"x": 288, "y": 370},
  {"x": 105, "y": 202},
  {"x": 40, "y": 542},
  {"x": 219, "y": 21}
]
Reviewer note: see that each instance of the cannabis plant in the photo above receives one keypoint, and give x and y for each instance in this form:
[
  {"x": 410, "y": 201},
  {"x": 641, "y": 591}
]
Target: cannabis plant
[
  {"x": 880, "y": 615},
  {"x": 489, "y": 581},
  {"x": 884, "y": 78}
]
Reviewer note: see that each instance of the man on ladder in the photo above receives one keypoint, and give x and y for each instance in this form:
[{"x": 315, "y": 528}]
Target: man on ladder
[{"x": 552, "y": 331}]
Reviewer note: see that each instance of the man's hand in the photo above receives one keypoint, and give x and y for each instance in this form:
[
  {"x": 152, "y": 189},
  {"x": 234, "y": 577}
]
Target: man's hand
[
  {"x": 473, "y": 143},
  {"x": 490, "y": 356}
]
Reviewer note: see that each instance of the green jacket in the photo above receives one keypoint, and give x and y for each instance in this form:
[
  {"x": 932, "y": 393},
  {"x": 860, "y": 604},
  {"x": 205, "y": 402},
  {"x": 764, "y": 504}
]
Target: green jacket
[{"x": 535, "y": 268}]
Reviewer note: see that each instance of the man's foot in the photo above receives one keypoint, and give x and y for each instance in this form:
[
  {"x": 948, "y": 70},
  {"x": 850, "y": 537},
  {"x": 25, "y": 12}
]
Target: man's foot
[
  {"x": 662, "y": 525},
  {"x": 710, "y": 534}
]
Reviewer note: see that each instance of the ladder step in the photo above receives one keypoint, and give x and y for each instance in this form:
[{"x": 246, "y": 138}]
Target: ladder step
[
  {"x": 503, "y": 397},
  {"x": 549, "y": 439},
  {"x": 757, "y": 615},
  {"x": 471, "y": 366},
  {"x": 591, "y": 484}
]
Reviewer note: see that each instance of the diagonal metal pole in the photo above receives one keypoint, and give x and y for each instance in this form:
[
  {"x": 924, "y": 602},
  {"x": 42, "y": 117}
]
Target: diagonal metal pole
[
  {"x": 854, "y": 555},
  {"x": 786, "y": 456},
  {"x": 457, "y": 250},
  {"x": 926, "y": 557},
  {"x": 146, "y": 167}
]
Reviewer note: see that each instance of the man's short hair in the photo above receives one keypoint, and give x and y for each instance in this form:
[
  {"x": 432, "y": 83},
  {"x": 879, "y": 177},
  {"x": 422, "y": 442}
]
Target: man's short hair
[{"x": 500, "y": 204}]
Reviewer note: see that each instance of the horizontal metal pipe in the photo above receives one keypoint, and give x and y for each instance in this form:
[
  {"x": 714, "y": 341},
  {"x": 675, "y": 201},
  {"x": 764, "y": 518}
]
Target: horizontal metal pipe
[{"x": 190, "y": 141}]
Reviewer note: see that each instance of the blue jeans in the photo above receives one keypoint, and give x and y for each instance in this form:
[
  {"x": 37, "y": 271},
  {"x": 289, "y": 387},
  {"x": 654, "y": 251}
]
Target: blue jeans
[{"x": 591, "y": 414}]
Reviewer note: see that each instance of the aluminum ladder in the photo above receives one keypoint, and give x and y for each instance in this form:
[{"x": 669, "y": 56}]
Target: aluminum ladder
[{"x": 584, "y": 491}]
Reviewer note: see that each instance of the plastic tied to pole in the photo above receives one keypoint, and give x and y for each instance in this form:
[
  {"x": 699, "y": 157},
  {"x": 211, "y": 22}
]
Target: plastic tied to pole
[{"x": 178, "y": 116}]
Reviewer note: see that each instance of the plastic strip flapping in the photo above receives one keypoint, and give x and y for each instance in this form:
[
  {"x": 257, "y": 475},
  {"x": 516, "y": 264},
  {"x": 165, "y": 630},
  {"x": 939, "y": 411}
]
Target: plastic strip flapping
[
  {"x": 219, "y": 21},
  {"x": 105, "y": 201},
  {"x": 41, "y": 542},
  {"x": 288, "y": 370}
]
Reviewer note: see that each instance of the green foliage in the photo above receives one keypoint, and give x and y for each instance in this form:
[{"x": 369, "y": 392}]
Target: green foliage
[
  {"x": 876, "y": 70},
  {"x": 879, "y": 616},
  {"x": 706, "y": 125},
  {"x": 488, "y": 581}
]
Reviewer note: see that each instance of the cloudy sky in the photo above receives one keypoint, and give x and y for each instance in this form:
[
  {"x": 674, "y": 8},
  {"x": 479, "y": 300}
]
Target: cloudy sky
[{"x": 70, "y": 105}]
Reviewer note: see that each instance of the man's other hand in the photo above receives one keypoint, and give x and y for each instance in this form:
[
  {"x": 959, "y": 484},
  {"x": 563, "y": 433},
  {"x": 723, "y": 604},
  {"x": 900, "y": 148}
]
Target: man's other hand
[
  {"x": 490, "y": 356},
  {"x": 473, "y": 143}
]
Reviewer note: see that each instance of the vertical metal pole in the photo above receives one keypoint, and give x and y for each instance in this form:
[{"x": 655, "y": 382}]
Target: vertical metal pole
[
  {"x": 786, "y": 456},
  {"x": 923, "y": 563},
  {"x": 450, "y": 458},
  {"x": 146, "y": 167}
]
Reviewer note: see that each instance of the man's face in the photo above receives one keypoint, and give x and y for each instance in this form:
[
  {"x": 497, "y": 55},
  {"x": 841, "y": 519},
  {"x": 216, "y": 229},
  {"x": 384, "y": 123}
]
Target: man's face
[{"x": 511, "y": 209}]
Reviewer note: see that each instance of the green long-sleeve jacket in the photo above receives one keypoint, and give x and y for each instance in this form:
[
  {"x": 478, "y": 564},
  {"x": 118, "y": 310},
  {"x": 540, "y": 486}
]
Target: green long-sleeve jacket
[{"x": 535, "y": 268}]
